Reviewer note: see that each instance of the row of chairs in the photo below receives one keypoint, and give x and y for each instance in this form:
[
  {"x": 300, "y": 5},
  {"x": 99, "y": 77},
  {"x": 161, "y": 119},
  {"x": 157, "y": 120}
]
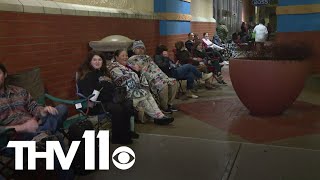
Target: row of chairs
[
  {"x": 31, "y": 81},
  {"x": 180, "y": 81}
]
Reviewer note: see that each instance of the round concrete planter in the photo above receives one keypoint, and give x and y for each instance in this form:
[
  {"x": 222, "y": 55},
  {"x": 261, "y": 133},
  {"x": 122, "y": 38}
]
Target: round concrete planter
[{"x": 268, "y": 87}]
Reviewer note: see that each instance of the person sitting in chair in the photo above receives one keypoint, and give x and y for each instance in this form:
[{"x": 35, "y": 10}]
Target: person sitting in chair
[
  {"x": 137, "y": 88},
  {"x": 18, "y": 110},
  {"x": 208, "y": 44},
  {"x": 200, "y": 53},
  {"x": 161, "y": 85},
  {"x": 213, "y": 48},
  {"x": 189, "y": 43},
  {"x": 94, "y": 75},
  {"x": 180, "y": 72},
  {"x": 184, "y": 57}
]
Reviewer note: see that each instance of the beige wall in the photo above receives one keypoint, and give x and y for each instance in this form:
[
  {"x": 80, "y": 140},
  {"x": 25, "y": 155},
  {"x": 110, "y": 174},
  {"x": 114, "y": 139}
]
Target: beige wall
[
  {"x": 136, "y": 5},
  {"x": 201, "y": 10}
]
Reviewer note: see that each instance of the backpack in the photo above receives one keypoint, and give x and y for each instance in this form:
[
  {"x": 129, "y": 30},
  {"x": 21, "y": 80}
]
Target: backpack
[{"x": 75, "y": 133}]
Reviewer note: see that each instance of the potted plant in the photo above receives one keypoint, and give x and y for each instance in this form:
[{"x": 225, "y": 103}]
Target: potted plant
[{"x": 267, "y": 81}]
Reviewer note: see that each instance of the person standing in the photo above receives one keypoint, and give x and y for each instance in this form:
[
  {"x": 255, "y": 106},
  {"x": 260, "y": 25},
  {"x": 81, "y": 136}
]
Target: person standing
[
  {"x": 261, "y": 34},
  {"x": 222, "y": 31}
]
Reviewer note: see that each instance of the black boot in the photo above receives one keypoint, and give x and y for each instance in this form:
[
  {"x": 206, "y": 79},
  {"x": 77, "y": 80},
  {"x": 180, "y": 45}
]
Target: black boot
[
  {"x": 165, "y": 120},
  {"x": 134, "y": 135}
]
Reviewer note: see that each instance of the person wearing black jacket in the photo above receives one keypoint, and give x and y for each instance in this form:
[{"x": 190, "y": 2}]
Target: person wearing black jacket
[
  {"x": 179, "y": 71},
  {"x": 189, "y": 43},
  {"x": 163, "y": 61},
  {"x": 200, "y": 53},
  {"x": 93, "y": 75}
]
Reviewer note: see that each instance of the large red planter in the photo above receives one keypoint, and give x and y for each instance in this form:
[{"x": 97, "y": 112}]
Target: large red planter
[{"x": 268, "y": 87}]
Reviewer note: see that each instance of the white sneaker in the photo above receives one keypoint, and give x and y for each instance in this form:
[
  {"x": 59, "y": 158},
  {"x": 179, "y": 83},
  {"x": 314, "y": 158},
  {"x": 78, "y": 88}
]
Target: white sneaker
[
  {"x": 191, "y": 95},
  {"x": 206, "y": 76},
  {"x": 225, "y": 62}
]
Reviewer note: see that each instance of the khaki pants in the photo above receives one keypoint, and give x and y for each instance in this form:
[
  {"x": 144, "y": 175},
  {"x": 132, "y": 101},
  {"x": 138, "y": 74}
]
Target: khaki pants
[{"x": 167, "y": 95}]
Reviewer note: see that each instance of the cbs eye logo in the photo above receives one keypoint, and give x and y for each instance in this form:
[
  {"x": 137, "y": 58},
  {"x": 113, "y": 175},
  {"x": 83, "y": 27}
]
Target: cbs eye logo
[{"x": 123, "y": 158}]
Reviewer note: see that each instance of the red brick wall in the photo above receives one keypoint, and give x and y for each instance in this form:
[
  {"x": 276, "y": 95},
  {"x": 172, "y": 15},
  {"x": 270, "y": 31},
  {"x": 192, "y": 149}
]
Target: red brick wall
[
  {"x": 310, "y": 38},
  {"x": 201, "y": 27},
  {"x": 58, "y": 44}
]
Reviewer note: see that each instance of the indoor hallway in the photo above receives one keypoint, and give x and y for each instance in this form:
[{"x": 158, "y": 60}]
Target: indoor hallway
[{"x": 213, "y": 137}]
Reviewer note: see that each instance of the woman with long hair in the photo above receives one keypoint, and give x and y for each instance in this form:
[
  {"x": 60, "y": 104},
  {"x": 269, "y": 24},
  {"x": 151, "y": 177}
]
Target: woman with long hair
[{"x": 94, "y": 75}]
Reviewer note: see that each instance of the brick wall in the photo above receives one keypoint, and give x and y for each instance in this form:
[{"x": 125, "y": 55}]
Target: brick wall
[
  {"x": 58, "y": 44},
  {"x": 201, "y": 27},
  {"x": 310, "y": 38}
]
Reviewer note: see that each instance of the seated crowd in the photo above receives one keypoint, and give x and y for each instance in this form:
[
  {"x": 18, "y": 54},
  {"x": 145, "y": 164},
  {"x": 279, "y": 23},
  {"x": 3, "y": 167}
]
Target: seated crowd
[{"x": 150, "y": 85}]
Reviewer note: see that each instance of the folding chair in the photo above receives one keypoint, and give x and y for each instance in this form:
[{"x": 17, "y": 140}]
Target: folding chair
[
  {"x": 6, "y": 168},
  {"x": 101, "y": 119},
  {"x": 181, "y": 92},
  {"x": 31, "y": 81}
]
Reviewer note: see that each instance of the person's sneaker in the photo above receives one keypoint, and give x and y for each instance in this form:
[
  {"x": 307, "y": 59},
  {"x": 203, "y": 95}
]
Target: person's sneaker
[
  {"x": 222, "y": 82},
  {"x": 167, "y": 111},
  {"x": 206, "y": 76},
  {"x": 172, "y": 108},
  {"x": 134, "y": 135},
  {"x": 165, "y": 120},
  {"x": 210, "y": 86},
  {"x": 191, "y": 95}
]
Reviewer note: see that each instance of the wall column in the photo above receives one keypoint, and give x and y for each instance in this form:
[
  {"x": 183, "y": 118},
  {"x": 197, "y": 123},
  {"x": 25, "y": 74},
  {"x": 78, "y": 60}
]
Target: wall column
[
  {"x": 174, "y": 21},
  {"x": 299, "y": 21},
  {"x": 248, "y": 10}
]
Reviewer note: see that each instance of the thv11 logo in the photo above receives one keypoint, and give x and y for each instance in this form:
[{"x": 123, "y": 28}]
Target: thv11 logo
[{"x": 123, "y": 157}]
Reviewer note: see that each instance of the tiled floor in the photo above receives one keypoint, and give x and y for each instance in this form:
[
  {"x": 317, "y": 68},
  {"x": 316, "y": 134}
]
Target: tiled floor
[
  {"x": 219, "y": 115},
  {"x": 161, "y": 157},
  {"x": 282, "y": 147}
]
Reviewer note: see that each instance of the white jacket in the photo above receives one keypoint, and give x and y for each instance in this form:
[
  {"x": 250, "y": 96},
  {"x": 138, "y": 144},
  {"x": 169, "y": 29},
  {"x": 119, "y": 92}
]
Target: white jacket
[
  {"x": 261, "y": 33},
  {"x": 210, "y": 44}
]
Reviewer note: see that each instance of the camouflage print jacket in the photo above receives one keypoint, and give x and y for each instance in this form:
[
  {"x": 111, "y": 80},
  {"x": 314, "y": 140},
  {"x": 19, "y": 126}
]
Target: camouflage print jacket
[
  {"x": 123, "y": 76},
  {"x": 156, "y": 78}
]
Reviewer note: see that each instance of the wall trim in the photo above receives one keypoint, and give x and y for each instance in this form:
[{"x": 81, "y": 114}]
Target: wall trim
[
  {"x": 299, "y": 9},
  {"x": 52, "y": 7},
  {"x": 203, "y": 19},
  {"x": 175, "y": 16}
]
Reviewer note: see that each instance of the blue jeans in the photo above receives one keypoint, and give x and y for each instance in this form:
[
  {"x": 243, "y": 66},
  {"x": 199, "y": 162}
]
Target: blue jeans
[
  {"x": 50, "y": 123},
  {"x": 187, "y": 72}
]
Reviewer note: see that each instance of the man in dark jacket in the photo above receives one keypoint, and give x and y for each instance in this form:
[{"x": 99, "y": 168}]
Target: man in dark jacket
[{"x": 189, "y": 43}]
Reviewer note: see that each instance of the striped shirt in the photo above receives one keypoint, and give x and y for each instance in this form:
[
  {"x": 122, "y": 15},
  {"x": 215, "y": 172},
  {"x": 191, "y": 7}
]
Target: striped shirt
[{"x": 17, "y": 107}]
